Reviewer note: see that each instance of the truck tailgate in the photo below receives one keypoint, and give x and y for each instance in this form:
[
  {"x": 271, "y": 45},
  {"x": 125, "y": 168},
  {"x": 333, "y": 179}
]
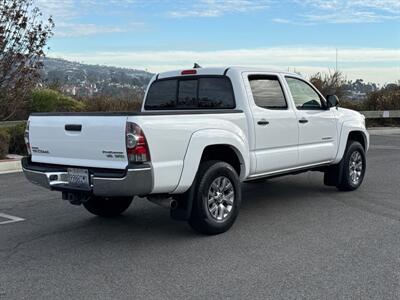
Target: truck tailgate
[{"x": 87, "y": 141}]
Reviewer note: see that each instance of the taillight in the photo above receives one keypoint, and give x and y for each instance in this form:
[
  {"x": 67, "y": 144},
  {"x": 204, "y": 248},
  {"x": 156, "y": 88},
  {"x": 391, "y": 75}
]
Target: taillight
[
  {"x": 26, "y": 138},
  {"x": 136, "y": 144}
]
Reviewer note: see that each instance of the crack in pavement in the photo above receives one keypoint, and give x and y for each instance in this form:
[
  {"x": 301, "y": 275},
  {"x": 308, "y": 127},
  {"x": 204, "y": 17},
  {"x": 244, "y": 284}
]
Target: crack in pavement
[{"x": 15, "y": 248}]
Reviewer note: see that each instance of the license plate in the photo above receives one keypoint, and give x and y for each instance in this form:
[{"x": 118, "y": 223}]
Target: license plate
[{"x": 78, "y": 177}]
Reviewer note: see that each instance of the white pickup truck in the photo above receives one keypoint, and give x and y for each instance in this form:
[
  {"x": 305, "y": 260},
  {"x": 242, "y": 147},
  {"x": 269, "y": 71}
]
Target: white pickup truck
[{"x": 200, "y": 133}]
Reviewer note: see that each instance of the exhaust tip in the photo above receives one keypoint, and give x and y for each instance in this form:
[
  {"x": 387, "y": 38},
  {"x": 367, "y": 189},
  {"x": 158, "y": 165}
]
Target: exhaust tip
[
  {"x": 166, "y": 202},
  {"x": 174, "y": 204}
]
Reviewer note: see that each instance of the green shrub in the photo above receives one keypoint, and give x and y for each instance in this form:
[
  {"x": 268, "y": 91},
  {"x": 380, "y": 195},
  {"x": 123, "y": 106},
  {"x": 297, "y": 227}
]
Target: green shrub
[
  {"x": 386, "y": 98},
  {"x": 17, "y": 142},
  {"x": 4, "y": 142},
  {"x": 47, "y": 100},
  {"x": 351, "y": 104}
]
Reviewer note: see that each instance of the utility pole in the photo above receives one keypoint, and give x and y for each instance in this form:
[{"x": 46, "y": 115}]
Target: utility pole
[{"x": 336, "y": 59}]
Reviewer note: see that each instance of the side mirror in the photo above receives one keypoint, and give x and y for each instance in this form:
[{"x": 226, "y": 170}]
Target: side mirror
[{"x": 333, "y": 100}]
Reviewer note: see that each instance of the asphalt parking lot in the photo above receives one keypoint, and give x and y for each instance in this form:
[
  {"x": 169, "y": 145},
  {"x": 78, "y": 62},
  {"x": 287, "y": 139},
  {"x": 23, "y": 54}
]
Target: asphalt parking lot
[{"x": 294, "y": 239}]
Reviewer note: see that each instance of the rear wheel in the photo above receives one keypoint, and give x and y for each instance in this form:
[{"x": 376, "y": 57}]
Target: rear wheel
[
  {"x": 107, "y": 206},
  {"x": 217, "y": 198}
]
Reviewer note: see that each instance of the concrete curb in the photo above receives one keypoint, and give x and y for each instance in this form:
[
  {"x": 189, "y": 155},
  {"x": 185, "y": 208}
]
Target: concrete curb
[
  {"x": 12, "y": 165},
  {"x": 384, "y": 130}
]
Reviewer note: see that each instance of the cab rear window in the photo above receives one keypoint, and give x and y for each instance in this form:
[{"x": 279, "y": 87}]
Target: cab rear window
[{"x": 190, "y": 93}]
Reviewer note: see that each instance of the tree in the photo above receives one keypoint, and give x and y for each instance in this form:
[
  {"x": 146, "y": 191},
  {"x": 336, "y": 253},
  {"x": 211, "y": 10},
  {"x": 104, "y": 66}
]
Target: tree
[
  {"x": 329, "y": 84},
  {"x": 23, "y": 37}
]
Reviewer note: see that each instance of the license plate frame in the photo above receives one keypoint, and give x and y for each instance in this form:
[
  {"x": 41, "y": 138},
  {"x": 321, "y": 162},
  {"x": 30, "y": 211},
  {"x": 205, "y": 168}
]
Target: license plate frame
[{"x": 79, "y": 178}]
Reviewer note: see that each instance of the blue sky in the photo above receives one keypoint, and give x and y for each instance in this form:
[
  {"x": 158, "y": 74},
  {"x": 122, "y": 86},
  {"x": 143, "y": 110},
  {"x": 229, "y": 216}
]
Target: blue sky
[{"x": 290, "y": 34}]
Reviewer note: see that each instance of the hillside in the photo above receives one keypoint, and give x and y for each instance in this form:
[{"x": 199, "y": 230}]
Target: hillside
[{"x": 84, "y": 80}]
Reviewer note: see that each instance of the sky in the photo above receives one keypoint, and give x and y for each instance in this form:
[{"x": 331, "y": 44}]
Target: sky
[{"x": 294, "y": 35}]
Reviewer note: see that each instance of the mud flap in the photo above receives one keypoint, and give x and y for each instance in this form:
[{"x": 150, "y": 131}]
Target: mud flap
[
  {"x": 185, "y": 204},
  {"x": 333, "y": 175}
]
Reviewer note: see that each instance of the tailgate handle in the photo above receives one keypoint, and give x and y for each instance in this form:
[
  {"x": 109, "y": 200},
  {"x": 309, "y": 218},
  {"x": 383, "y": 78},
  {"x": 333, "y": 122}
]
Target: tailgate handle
[{"x": 73, "y": 127}]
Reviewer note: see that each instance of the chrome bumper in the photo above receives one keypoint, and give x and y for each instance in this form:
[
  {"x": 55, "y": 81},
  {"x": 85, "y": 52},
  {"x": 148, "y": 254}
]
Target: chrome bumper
[{"x": 137, "y": 181}]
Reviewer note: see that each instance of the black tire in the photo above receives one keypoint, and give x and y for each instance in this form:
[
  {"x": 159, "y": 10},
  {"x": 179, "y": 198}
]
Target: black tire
[
  {"x": 201, "y": 219},
  {"x": 107, "y": 207},
  {"x": 345, "y": 182}
]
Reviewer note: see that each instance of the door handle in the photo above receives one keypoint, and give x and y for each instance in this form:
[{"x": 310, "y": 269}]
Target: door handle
[
  {"x": 303, "y": 121},
  {"x": 73, "y": 127},
  {"x": 263, "y": 122}
]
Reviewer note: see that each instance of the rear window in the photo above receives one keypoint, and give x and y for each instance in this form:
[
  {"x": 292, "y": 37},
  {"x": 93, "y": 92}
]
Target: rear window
[
  {"x": 187, "y": 94},
  {"x": 190, "y": 93},
  {"x": 162, "y": 95}
]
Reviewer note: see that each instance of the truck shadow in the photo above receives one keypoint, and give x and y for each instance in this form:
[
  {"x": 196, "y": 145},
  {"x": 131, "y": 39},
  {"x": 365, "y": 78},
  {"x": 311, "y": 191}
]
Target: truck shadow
[
  {"x": 147, "y": 225},
  {"x": 289, "y": 189},
  {"x": 258, "y": 197}
]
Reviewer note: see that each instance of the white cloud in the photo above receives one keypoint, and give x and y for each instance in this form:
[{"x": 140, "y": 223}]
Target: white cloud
[
  {"x": 356, "y": 11},
  {"x": 59, "y": 9},
  {"x": 349, "y": 17},
  {"x": 67, "y": 12},
  {"x": 291, "y": 22},
  {"x": 216, "y": 8},
  {"x": 78, "y": 30},
  {"x": 303, "y": 59},
  {"x": 392, "y": 6},
  {"x": 66, "y": 9},
  {"x": 318, "y": 11}
]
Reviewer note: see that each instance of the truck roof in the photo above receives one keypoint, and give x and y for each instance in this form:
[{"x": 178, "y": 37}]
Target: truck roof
[{"x": 221, "y": 71}]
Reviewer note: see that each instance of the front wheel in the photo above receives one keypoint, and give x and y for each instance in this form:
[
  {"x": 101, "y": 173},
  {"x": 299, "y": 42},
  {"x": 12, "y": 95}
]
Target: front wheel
[
  {"x": 354, "y": 166},
  {"x": 217, "y": 198},
  {"x": 107, "y": 207}
]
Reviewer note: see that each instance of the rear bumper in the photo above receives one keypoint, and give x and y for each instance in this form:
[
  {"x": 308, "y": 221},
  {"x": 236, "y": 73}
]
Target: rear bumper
[{"x": 134, "y": 180}]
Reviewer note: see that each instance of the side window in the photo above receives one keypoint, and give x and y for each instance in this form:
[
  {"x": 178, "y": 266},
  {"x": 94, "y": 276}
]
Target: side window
[
  {"x": 215, "y": 93},
  {"x": 162, "y": 95},
  {"x": 267, "y": 92},
  {"x": 304, "y": 96}
]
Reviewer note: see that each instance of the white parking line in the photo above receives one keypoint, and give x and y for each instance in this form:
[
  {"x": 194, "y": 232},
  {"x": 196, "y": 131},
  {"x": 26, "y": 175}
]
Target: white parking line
[{"x": 11, "y": 219}]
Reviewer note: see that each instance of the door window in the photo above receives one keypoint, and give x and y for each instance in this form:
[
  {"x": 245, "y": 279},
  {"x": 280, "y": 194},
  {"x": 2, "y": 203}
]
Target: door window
[
  {"x": 267, "y": 92},
  {"x": 304, "y": 96}
]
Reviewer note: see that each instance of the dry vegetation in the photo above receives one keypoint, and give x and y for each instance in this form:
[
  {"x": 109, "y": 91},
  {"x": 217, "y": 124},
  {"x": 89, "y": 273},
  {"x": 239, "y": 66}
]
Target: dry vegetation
[
  {"x": 23, "y": 38},
  {"x": 386, "y": 98},
  {"x": 329, "y": 84}
]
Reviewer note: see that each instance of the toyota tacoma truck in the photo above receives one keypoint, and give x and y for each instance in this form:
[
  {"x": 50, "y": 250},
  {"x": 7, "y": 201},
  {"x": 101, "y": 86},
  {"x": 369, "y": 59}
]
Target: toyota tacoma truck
[{"x": 201, "y": 132}]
